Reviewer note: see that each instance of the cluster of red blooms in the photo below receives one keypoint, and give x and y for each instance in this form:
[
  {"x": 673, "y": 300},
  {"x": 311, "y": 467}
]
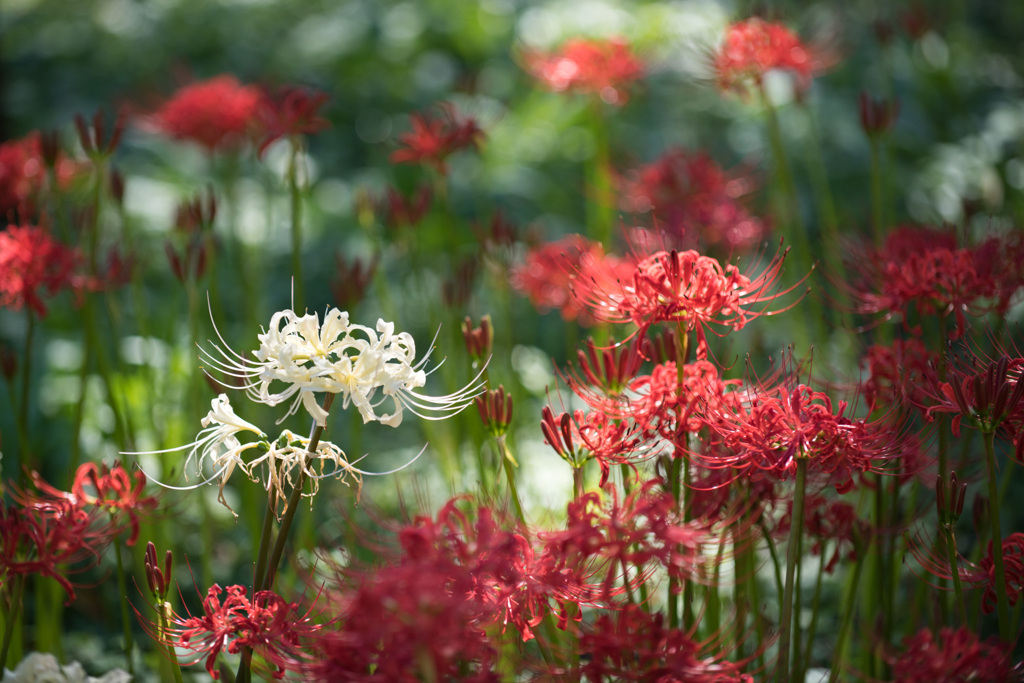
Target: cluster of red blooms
[
  {"x": 24, "y": 176},
  {"x": 922, "y": 270},
  {"x": 433, "y": 140},
  {"x": 693, "y": 201},
  {"x": 753, "y": 47},
  {"x": 546, "y": 274},
  {"x": 268, "y": 624},
  {"x": 34, "y": 264},
  {"x": 954, "y": 655},
  {"x": 52, "y": 532},
  {"x": 222, "y": 114},
  {"x": 606, "y": 68}
]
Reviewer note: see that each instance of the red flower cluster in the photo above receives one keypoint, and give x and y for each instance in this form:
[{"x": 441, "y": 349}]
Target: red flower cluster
[
  {"x": 267, "y": 623},
  {"x": 605, "y": 68},
  {"x": 896, "y": 372},
  {"x": 826, "y": 521},
  {"x": 632, "y": 644},
  {"x": 32, "y": 263},
  {"x": 105, "y": 488},
  {"x": 433, "y": 140},
  {"x": 681, "y": 287},
  {"x": 955, "y": 656},
  {"x": 218, "y": 113},
  {"x": 781, "y": 426},
  {"x": 921, "y": 269},
  {"x": 23, "y": 173},
  {"x": 693, "y": 200},
  {"x": 547, "y": 274},
  {"x": 753, "y": 47}
]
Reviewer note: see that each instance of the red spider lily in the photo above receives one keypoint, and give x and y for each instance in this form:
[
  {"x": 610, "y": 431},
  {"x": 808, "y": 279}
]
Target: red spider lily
[
  {"x": 158, "y": 578},
  {"x": 896, "y": 372},
  {"x": 458, "y": 288},
  {"x": 608, "y": 369},
  {"x": 1003, "y": 256},
  {"x": 642, "y": 529},
  {"x": 753, "y": 47},
  {"x": 693, "y": 200},
  {"x": 49, "y": 538},
  {"x": 595, "y": 436},
  {"x": 778, "y": 428},
  {"x": 217, "y": 114},
  {"x": 106, "y": 488},
  {"x": 291, "y": 113},
  {"x": 684, "y": 288},
  {"x": 826, "y": 521},
  {"x": 192, "y": 225},
  {"x": 546, "y": 276},
  {"x": 273, "y": 627},
  {"x": 23, "y": 173},
  {"x": 351, "y": 281},
  {"x": 991, "y": 397},
  {"x": 921, "y": 269},
  {"x": 632, "y": 644},
  {"x": 606, "y": 68},
  {"x": 955, "y": 656},
  {"x": 33, "y": 263},
  {"x": 433, "y": 140}
]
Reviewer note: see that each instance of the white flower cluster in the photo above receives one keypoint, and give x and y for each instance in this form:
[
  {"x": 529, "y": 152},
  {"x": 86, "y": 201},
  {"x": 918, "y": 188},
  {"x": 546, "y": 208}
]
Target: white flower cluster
[
  {"x": 44, "y": 668},
  {"x": 299, "y": 358}
]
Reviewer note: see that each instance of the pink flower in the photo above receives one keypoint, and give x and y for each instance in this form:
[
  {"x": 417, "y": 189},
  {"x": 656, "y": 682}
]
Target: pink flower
[
  {"x": 753, "y": 47},
  {"x": 606, "y": 68},
  {"x": 34, "y": 264},
  {"x": 292, "y": 112},
  {"x": 218, "y": 113},
  {"x": 693, "y": 200}
]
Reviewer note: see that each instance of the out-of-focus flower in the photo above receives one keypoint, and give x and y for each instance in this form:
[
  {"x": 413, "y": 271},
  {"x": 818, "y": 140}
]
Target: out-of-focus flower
[
  {"x": 954, "y": 656},
  {"x": 111, "y": 489},
  {"x": 479, "y": 340},
  {"x": 94, "y": 140},
  {"x": 273, "y": 627},
  {"x": 827, "y": 521},
  {"x": 457, "y": 289},
  {"x": 547, "y": 273},
  {"x": 896, "y": 372},
  {"x": 603, "y": 67},
  {"x": 338, "y": 358},
  {"x": 38, "y": 667},
  {"x": 218, "y": 114},
  {"x": 352, "y": 280},
  {"x": 922, "y": 270},
  {"x": 633, "y": 644},
  {"x": 51, "y": 537},
  {"x": 684, "y": 288},
  {"x": 753, "y": 47},
  {"x": 400, "y": 211},
  {"x": 694, "y": 201},
  {"x": 292, "y": 112},
  {"x": 433, "y": 140},
  {"x": 23, "y": 173},
  {"x": 33, "y": 263}
]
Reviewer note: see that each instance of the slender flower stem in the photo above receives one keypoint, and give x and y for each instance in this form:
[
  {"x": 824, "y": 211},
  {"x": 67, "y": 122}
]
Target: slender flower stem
[
  {"x": 848, "y": 612},
  {"x": 510, "y": 476},
  {"x": 122, "y": 589},
  {"x": 1002, "y": 604},
  {"x": 295, "y": 195},
  {"x": 815, "y": 613},
  {"x": 26, "y": 375},
  {"x": 17, "y": 592},
  {"x": 954, "y": 571},
  {"x": 796, "y": 528}
]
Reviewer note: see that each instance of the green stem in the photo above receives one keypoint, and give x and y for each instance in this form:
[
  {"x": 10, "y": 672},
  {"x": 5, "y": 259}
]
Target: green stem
[
  {"x": 815, "y": 612},
  {"x": 122, "y": 588},
  {"x": 510, "y": 476},
  {"x": 954, "y": 570},
  {"x": 12, "y": 615},
  {"x": 796, "y": 528},
  {"x": 26, "y": 374},
  {"x": 1002, "y": 604},
  {"x": 295, "y": 195},
  {"x": 848, "y": 612}
]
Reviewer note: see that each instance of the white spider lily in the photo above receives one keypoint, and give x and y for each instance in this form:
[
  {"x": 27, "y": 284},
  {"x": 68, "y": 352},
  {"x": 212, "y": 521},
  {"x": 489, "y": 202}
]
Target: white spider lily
[
  {"x": 216, "y": 446},
  {"x": 290, "y": 454},
  {"x": 299, "y": 358}
]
